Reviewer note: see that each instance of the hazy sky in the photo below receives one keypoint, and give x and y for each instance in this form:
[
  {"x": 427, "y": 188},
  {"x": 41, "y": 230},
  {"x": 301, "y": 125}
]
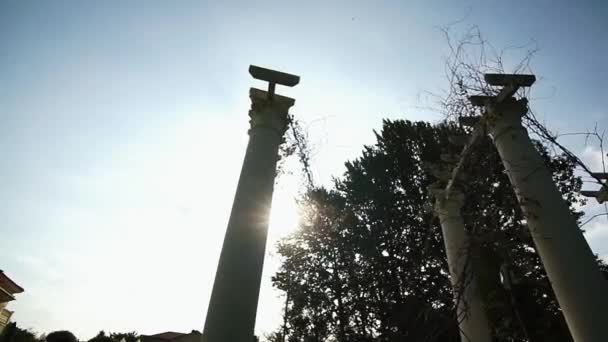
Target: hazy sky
[{"x": 123, "y": 126}]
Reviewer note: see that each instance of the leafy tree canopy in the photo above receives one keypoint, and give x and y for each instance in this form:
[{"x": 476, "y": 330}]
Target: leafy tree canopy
[
  {"x": 102, "y": 337},
  {"x": 12, "y": 333},
  {"x": 61, "y": 336},
  {"x": 129, "y": 336},
  {"x": 368, "y": 262}
]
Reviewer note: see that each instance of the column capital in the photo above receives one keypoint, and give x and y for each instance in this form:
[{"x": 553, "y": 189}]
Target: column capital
[
  {"x": 505, "y": 115},
  {"x": 269, "y": 113}
]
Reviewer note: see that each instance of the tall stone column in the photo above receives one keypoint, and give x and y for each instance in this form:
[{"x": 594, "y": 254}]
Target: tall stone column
[
  {"x": 580, "y": 288},
  {"x": 470, "y": 312},
  {"x": 233, "y": 305}
]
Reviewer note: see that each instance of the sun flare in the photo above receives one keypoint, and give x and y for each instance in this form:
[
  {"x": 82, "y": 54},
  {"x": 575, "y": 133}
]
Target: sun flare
[{"x": 284, "y": 214}]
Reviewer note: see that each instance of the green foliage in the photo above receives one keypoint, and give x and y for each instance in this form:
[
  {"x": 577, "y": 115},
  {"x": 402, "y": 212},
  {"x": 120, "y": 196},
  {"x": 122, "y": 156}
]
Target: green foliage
[{"x": 368, "y": 262}]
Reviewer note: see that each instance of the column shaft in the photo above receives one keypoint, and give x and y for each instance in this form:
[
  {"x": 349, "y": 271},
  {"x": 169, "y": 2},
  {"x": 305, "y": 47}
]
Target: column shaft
[
  {"x": 233, "y": 304},
  {"x": 470, "y": 312},
  {"x": 570, "y": 264}
]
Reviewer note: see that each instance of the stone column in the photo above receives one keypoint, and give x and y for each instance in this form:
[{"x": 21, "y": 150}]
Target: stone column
[
  {"x": 233, "y": 304},
  {"x": 580, "y": 288},
  {"x": 470, "y": 311}
]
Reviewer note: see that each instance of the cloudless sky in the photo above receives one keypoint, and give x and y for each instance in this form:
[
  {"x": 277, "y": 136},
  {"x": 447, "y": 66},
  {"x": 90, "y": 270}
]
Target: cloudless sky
[{"x": 123, "y": 125}]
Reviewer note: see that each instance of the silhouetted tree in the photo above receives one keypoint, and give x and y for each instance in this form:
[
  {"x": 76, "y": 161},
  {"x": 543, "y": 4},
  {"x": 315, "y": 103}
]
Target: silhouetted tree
[
  {"x": 101, "y": 337},
  {"x": 129, "y": 336},
  {"x": 61, "y": 336},
  {"x": 12, "y": 333},
  {"x": 368, "y": 262}
]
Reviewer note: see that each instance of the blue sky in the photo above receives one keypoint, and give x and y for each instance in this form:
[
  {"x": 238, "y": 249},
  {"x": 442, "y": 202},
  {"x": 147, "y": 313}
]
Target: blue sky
[{"x": 123, "y": 126}]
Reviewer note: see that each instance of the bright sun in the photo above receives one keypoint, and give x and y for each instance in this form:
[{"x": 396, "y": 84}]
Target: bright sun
[{"x": 284, "y": 212}]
